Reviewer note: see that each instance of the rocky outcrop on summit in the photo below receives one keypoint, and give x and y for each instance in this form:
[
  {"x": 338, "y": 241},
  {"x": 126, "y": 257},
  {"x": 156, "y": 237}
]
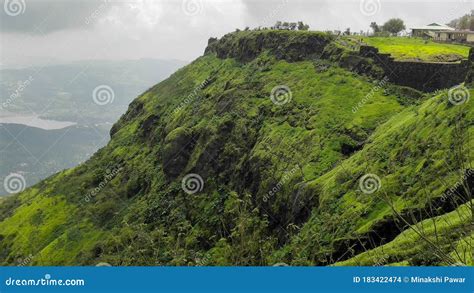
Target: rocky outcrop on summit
[{"x": 287, "y": 45}]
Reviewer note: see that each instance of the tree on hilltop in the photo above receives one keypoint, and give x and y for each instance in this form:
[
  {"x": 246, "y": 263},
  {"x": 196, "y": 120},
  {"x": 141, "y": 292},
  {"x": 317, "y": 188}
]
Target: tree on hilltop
[
  {"x": 394, "y": 26},
  {"x": 465, "y": 22},
  {"x": 375, "y": 27},
  {"x": 302, "y": 26},
  {"x": 290, "y": 26}
]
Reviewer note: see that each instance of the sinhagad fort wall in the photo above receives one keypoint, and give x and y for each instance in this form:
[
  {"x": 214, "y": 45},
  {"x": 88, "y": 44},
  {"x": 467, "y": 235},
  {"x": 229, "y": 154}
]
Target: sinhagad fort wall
[{"x": 423, "y": 76}]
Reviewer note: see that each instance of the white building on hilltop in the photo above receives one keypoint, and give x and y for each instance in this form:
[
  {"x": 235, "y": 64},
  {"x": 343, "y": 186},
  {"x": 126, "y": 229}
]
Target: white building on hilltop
[{"x": 429, "y": 31}]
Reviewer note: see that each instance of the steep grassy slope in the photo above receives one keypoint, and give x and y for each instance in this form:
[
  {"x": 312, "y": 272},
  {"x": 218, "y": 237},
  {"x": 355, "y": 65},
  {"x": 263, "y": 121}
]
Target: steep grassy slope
[
  {"x": 280, "y": 180},
  {"x": 419, "y": 244},
  {"x": 419, "y": 155}
]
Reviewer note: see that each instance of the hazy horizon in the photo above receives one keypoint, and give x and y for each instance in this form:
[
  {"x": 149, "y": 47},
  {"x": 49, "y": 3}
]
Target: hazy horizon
[{"x": 45, "y": 62}]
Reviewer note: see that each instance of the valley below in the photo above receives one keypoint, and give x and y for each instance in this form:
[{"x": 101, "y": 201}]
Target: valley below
[{"x": 50, "y": 119}]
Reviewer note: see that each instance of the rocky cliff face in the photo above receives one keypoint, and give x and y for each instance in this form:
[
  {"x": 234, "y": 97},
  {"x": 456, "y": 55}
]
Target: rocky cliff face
[{"x": 287, "y": 45}]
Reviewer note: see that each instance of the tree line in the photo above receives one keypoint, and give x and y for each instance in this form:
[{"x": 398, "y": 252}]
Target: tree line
[
  {"x": 392, "y": 26},
  {"x": 465, "y": 22}
]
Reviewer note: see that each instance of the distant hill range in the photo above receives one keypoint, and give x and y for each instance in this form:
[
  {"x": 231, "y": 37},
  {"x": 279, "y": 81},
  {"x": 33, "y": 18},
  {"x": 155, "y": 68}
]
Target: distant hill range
[{"x": 66, "y": 92}]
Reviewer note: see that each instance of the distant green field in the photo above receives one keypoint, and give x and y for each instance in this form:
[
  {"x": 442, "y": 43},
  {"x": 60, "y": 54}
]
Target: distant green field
[{"x": 413, "y": 49}]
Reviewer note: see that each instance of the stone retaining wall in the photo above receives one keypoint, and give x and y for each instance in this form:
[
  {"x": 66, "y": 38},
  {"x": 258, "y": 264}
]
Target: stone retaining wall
[
  {"x": 470, "y": 74},
  {"x": 426, "y": 77}
]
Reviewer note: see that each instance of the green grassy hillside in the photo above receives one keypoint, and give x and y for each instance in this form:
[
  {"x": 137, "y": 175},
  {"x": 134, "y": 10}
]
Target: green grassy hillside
[
  {"x": 415, "y": 49},
  {"x": 418, "y": 155},
  {"x": 416, "y": 245},
  {"x": 280, "y": 172}
]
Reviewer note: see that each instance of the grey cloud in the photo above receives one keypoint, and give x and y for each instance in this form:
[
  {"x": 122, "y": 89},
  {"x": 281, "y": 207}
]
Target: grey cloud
[
  {"x": 266, "y": 13},
  {"x": 341, "y": 14},
  {"x": 131, "y": 29},
  {"x": 46, "y": 16}
]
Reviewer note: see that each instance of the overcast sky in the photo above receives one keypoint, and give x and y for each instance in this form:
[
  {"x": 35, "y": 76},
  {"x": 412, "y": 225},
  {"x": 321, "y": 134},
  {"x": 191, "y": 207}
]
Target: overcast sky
[{"x": 52, "y": 31}]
